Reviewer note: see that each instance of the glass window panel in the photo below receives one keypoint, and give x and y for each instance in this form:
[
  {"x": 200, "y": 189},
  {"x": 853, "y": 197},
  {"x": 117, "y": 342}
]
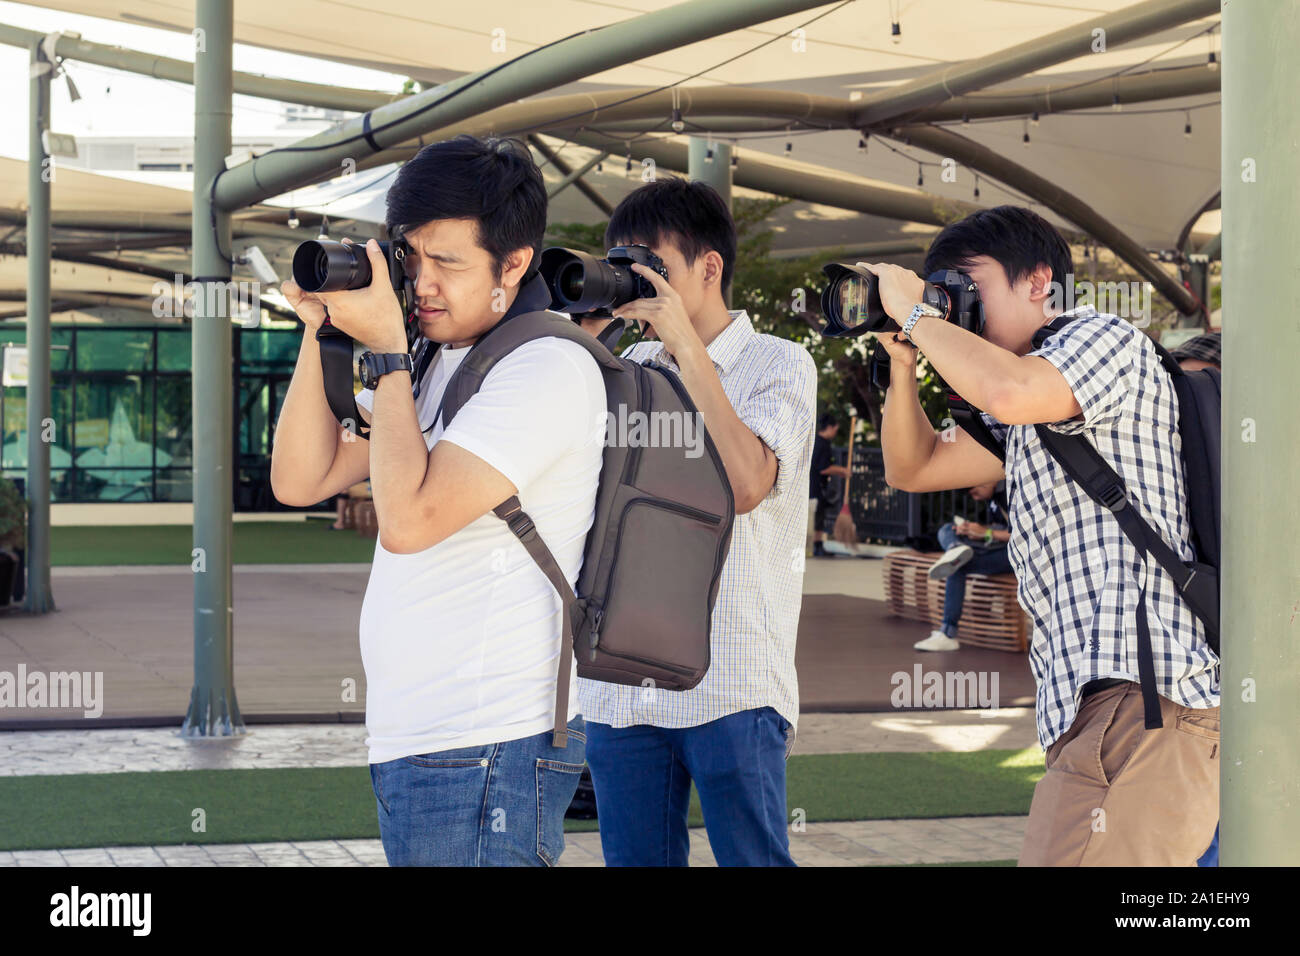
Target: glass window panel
[
  {"x": 114, "y": 350},
  {"x": 60, "y": 344},
  {"x": 113, "y": 439},
  {"x": 262, "y": 349},
  {"x": 174, "y": 484},
  {"x": 14, "y": 449},
  {"x": 114, "y": 484},
  {"x": 254, "y": 411},
  {"x": 173, "y": 411},
  {"x": 174, "y": 350}
]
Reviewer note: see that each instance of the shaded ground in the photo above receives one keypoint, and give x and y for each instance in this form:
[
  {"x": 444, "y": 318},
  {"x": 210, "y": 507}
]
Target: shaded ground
[{"x": 296, "y": 646}]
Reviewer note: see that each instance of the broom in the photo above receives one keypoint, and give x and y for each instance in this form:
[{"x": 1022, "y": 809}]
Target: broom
[{"x": 845, "y": 532}]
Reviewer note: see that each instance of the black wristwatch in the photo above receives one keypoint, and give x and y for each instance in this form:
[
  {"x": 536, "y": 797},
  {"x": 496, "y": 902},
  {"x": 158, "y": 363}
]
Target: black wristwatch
[{"x": 372, "y": 367}]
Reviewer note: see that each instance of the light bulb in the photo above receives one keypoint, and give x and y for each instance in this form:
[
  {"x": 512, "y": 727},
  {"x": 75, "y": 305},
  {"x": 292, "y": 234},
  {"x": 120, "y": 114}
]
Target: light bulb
[
  {"x": 896, "y": 32},
  {"x": 678, "y": 125}
]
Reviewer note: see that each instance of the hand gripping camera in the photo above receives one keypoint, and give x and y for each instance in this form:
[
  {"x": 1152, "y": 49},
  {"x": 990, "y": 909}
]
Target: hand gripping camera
[
  {"x": 852, "y": 307},
  {"x": 585, "y": 287}
]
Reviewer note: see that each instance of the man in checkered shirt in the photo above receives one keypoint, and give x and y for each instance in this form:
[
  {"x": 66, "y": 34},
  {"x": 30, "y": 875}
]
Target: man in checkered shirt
[
  {"x": 1115, "y": 793},
  {"x": 731, "y": 733}
]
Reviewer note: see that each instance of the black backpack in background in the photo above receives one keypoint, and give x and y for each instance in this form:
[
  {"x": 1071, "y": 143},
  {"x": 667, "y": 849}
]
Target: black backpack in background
[{"x": 1199, "y": 416}]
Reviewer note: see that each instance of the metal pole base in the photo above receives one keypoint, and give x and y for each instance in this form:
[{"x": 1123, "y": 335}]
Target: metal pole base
[{"x": 213, "y": 713}]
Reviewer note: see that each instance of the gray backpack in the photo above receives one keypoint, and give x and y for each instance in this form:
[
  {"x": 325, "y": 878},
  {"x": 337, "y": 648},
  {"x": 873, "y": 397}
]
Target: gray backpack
[{"x": 653, "y": 557}]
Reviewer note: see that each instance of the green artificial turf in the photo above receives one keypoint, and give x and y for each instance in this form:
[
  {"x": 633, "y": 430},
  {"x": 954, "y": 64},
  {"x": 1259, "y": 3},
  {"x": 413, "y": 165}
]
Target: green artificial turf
[
  {"x": 257, "y": 806},
  {"x": 255, "y": 542}
]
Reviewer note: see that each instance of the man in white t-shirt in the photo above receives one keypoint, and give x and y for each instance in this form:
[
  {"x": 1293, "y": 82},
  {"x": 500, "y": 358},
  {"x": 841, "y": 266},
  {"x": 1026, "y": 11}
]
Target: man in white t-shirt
[{"x": 460, "y": 630}]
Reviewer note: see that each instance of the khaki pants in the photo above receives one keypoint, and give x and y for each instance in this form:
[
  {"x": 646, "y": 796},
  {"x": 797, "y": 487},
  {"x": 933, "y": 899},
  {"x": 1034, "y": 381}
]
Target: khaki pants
[{"x": 1116, "y": 794}]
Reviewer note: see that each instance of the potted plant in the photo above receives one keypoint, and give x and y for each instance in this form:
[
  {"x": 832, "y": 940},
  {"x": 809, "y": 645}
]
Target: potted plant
[{"x": 13, "y": 536}]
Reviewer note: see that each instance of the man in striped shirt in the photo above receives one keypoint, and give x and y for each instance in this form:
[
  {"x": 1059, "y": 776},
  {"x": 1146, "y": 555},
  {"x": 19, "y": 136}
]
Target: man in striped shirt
[
  {"x": 1116, "y": 792},
  {"x": 731, "y": 733}
]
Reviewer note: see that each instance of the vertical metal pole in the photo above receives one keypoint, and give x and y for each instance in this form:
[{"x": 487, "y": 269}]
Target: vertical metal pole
[
  {"x": 714, "y": 170},
  {"x": 1260, "y": 769},
  {"x": 213, "y": 708},
  {"x": 40, "y": 426}
]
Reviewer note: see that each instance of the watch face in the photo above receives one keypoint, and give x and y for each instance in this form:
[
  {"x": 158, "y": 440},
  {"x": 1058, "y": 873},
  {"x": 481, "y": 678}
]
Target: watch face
[{"x": 364, "y": 370}]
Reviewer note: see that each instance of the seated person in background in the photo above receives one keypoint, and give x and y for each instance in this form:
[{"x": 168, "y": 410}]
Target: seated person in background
[
  {"x": 971, "y": 548},
  {"x": 819, "y": 475}
]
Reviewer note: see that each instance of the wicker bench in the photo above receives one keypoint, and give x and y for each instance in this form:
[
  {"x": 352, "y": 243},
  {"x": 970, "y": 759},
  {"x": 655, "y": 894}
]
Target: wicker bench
[
  {"x": 991, "y": 616},
  {"x": 361, "y": 515}
]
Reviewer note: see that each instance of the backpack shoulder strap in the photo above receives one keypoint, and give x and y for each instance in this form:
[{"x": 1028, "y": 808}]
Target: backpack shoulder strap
[
  {"x": 970, "y": 421},
  {"x": 1198, "y": 585},
  {"x": 522, "y": 527},
  {"x": 500, "y": 341}
]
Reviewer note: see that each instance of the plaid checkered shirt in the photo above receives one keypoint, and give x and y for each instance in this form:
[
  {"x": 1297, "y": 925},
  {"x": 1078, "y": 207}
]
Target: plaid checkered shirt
[
  {"x": 772, "y": 385},
  {"x": 1079, "y": 577}
]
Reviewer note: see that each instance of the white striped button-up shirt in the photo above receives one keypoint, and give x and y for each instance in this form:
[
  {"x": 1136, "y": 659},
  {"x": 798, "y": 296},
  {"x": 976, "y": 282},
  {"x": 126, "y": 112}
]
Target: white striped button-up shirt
[{"x": 772, "y": 385}]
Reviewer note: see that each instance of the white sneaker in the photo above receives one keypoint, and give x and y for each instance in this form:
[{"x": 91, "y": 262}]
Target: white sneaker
[
  {"x": 952, "y": 559},
  {"x": 937, "y": 641}
]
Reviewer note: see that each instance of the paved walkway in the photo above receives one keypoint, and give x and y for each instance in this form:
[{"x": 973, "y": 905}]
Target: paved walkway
[
  {"x": 850, "y": 843},
  {"x": 39, "y": 752},
  {"x": 297, "y": 658},
  {"x": 100, "y": 626}
]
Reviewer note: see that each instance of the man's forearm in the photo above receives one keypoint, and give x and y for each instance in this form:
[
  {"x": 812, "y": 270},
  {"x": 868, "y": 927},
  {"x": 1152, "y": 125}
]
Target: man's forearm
[
  {"x": 906, "y": 437},
  {"x": 306, "y": 434},
  {"x": 976, "y": 369},
  {"x": 399, "y": 457},
  {"x": 742, "y": 451}
]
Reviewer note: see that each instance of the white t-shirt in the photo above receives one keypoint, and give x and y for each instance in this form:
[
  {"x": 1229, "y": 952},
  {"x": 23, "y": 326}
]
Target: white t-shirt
[{"x": 461, "y": 642}]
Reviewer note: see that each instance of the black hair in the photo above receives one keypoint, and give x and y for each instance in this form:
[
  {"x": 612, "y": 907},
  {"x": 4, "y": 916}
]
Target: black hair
[
  {"x": 826, "y": 420},
  {"x": 492, "y": 181},
  {"x": 691, "y": 215},
  {"x": 1016, "y": 238}
]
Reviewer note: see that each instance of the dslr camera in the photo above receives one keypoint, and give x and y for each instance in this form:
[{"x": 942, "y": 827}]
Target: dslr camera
[
  {"x": 587, "y": 287},
  {"x": 852, "y": 307},
  {"x": 323, "y": 265}
]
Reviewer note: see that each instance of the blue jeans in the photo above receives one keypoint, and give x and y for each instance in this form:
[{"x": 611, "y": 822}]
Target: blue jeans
[
  {"x": 643, "y": 775},
  {"x": 988, "y": 559},
  {"x": 494, "y": 805},
  {"x": 1211, "y": 856}
]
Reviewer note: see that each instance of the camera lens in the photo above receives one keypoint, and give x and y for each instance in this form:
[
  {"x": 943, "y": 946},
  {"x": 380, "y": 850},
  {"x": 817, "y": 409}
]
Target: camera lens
[
  {"x": 851, "y": 293},
  {"x": 570, "y": 282},
  {"x": 322, "y": 265},
  {"x": 851, "y": 303}
]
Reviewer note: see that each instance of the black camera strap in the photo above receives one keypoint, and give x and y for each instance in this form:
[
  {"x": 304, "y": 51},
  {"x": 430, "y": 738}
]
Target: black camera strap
[{"x": 337, "y": 371}]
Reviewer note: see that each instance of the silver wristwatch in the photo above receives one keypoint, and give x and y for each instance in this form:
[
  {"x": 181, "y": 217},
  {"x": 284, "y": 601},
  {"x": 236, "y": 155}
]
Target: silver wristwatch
[{"x": 919, "y": 310}]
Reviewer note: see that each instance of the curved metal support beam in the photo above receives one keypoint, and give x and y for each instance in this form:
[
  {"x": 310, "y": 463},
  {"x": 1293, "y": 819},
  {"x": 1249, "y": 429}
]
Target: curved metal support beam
[
  {"x": 182, "y": 71},
  {"x": 841, "y": 191},
  {"x": 1074, "y": 41},
  {"x": 1136, "y": 88},
  {"x": 984, "y": 160},
  {"x": 597, "y": 200},
  {"x": 579, "y": 56},
  {"x": 159, "y": 222},
  {"x": 1214, "y": 202}
]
